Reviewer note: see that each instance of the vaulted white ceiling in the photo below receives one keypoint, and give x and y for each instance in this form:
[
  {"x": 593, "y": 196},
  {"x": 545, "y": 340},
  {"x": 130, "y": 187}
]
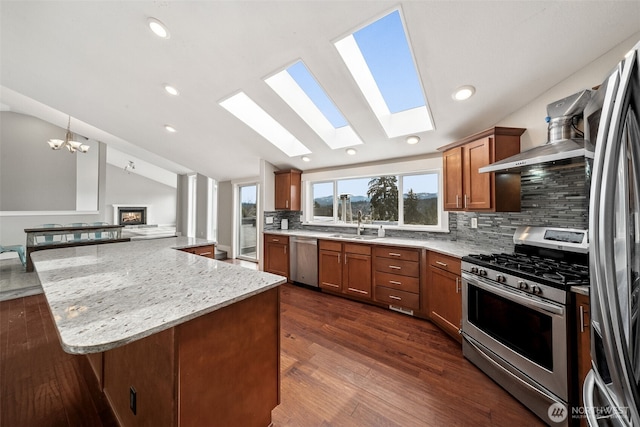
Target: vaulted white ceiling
[{"x": 98, "y": 62}]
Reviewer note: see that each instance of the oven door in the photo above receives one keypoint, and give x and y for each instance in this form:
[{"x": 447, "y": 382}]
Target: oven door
[{"x": 527, "y": 332}]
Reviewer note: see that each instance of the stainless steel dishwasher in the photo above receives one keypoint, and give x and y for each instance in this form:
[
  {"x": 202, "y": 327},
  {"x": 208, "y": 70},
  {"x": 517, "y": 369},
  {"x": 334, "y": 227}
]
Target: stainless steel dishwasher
[{"x": 303, "y": 257}]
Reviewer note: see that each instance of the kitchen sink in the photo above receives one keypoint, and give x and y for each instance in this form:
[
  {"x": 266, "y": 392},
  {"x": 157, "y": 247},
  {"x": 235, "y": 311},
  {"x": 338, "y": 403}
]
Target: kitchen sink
[{"x": 353, "y": 236}]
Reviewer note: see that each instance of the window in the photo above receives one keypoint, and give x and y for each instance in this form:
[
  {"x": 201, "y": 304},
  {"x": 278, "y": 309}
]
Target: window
[
  {"x": 323, "y": 200},
  {"x": 298, "y": 88},
  {"x": 378, "y": 199},
  {"x": 420, "y": 199},
  {"x": 246, "y": 110},
  {"x": 381, "y": 62}
]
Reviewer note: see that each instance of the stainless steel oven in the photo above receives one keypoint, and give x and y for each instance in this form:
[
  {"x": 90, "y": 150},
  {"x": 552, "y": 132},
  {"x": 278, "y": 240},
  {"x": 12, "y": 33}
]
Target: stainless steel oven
[{"x": 515, "y": 320}]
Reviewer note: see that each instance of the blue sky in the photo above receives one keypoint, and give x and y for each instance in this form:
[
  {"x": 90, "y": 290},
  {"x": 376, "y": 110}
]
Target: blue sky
[
  {"x": 386, "y": 50},
  {"x": 310, "y": 86},
  {"x": 248, "y": 194}
]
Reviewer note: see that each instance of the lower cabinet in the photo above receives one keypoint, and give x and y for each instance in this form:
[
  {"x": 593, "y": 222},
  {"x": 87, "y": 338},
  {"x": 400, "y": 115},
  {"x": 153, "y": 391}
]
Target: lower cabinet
[
  {"x": 345, "y": 268},
  {"x": 444, "y": 293},
  {"x": 276, "y": 254},
  {"x": 397, "y": 277},
  {"x": 219, "y": 369}
]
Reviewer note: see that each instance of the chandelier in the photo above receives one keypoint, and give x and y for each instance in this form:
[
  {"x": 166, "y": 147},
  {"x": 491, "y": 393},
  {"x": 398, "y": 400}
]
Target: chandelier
[{"x": 68, "y": 142}]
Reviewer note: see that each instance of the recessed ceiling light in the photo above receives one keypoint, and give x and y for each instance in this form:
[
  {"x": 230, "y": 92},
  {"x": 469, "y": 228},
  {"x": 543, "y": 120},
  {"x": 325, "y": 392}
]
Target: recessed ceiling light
[
  {"x": 463, "y": 92},
  {"x": 306, "y": 159},
  {"x": 170, "y": 128},
  {"x": 171, "y": 90},
  {"x": 158, "y": 28},
  {"x": 351, "y": 151},
  {"x": 413, "y": 139}
]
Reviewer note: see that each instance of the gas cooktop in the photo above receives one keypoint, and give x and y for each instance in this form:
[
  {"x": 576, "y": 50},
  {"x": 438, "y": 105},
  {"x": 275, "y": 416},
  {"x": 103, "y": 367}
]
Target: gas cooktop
[{"x": 553, "y": 272}]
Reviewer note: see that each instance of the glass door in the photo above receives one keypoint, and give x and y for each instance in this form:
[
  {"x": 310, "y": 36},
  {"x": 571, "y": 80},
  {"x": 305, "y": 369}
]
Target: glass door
[{"x": 247, "y": 247}]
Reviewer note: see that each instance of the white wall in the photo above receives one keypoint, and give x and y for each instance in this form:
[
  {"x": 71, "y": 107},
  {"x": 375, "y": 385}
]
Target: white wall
[
  {"x": 124, "y": 188},
  {"x": 532, "y": 117}
]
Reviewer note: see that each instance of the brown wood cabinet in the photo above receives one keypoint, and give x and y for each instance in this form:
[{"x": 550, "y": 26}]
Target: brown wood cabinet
[
  {"x": 583, "y": 343},
  {"x": 397, "y": 276},
  {"x": 345, "y": 268},
  {"x": 444, "y": 293},
  {"x": 330, "y": 265},
  {"x": 288, "y": 185},
  {"x": 468, "y": 190},
  {"x": 276, "y": 254},
  {"x": 208, "y": 251},
  {"x": 236, "y": 383}
]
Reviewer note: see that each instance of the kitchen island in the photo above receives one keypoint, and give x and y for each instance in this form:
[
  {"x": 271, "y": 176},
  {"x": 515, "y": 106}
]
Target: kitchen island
[{"x": 173, "y": 338}]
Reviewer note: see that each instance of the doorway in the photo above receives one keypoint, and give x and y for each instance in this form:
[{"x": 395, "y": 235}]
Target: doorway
[{"x": 247, "y": 226}]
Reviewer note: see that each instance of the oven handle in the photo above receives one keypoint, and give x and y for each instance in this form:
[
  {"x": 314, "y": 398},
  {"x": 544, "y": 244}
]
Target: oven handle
[
  {"x": 514, "y": 376},
  {"x": 513, "y": 296}
]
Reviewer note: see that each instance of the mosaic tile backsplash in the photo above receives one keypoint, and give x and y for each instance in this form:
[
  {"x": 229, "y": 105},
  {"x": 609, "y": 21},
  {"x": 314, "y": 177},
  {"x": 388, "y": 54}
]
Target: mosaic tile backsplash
[{"x": 553, "y": 196}]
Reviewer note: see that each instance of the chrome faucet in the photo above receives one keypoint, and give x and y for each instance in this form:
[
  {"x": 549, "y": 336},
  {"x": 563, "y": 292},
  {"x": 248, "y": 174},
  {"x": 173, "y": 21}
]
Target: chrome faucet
[{"x": 359, "y": 222}]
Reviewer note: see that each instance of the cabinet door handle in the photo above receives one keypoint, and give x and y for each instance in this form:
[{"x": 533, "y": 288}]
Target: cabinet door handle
[
  {"x": 582, "y": 316},
  {"x": 394, "y": 282},
  {"x": 330, "y": 284},
  {"x": 457, "y": 200},
  {"x": 275, "y": 240},
  {"x": 444, "y": 264},
  {"x": 395, "y": 267},
  {"x": 345, "y": 258},
  {"x": 395, "y": 297},
  {"x": 286, "y": 203},
  {"x": 360, "y": 291},
  {"x": 285, "y": 250},
  {"x": 457, "y": 285},
  {"x": 466, "y": 198},
  {"x": 339, "y": 258},
  {"x": 394, "y": 254},
  {"x": 204, "y": 253}
]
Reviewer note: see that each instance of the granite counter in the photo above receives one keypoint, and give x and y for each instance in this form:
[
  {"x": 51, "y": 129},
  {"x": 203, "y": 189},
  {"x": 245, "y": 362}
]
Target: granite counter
[{"x": 102, "y": 297}]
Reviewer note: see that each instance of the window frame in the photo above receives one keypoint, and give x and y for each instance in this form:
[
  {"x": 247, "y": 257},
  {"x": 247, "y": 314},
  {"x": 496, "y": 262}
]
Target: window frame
[{"x": 398, "y": 170}]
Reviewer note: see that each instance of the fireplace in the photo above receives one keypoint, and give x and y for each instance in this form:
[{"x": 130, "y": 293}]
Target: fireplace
[{"x": 132, "y": 215}]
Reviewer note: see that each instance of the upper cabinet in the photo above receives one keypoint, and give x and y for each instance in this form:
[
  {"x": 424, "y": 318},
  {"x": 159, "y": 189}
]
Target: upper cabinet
[
  {"x": 465, "y": 189},
  {"x": 288, "y": 184}
]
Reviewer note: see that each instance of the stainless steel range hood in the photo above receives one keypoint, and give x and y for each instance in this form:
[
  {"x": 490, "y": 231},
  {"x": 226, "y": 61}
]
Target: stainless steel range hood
[{"x": 563, "y": 144}]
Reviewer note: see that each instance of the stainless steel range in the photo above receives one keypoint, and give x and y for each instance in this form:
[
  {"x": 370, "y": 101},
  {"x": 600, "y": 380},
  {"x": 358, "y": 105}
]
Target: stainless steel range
[{"x": 515, "y": 318}]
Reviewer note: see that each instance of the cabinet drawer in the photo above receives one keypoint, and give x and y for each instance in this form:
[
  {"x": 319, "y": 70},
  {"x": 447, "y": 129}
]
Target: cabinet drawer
[
  {"x": 393, "y": 266},
  {"x": 396, "y": 281},
  {"x": 274, "y": 238},
  {"x": 350, "y": 248},
  {"x": 396, "y": 297},
  {"x": 396, "y": 253},
  {"x": 330, "y": 245},
  {"x": 444, "y": 262}
]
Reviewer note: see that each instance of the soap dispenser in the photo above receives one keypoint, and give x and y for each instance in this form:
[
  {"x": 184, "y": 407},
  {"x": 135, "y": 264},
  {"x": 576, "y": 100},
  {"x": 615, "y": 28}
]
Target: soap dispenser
[{"x": 380, "y": 232}]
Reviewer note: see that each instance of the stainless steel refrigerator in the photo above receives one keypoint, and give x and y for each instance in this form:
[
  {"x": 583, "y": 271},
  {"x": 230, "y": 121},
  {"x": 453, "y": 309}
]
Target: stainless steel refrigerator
[{"x": 612, "y": 387}]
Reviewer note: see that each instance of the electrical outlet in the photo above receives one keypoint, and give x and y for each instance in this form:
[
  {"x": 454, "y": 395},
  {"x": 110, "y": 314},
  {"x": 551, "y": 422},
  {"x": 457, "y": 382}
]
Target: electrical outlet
[
  {"x": 474, "y": 222},
  {"x": 133, "y": 400},
  {"x": 269, "y": 220}
]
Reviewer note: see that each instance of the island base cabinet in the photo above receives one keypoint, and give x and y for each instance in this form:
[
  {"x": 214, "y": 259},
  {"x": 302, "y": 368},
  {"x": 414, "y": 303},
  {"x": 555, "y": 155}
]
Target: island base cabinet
[
  {"x": 220, "y": 369},
  {"x": 147, "y": 368}
]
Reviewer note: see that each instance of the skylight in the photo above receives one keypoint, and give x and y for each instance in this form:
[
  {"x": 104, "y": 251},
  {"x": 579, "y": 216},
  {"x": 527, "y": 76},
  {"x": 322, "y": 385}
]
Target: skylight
[
  {"x": 245, "y": 109},
  {"x": 298, "y": 88},
  {"x": 379, "y": 58}
]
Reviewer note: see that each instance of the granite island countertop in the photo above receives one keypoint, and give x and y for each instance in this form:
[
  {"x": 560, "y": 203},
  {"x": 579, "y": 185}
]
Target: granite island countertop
[
  {"x": 451, "y": 248},
  {"x": 104, "y": 296}
]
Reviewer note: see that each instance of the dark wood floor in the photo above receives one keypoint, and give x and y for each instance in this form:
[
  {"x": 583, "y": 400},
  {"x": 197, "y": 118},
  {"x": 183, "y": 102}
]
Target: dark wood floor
[{"x": 342, "y": 364}]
